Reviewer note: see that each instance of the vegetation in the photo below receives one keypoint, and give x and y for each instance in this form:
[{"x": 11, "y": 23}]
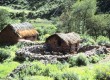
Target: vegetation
[
  {"x": 79, "y": 60},
  {"x": 97, "y": 71},
  {"x": 3, "y": 54},
  {"x": 4, "y": 18},
  {"x": 89, "y": 18}
]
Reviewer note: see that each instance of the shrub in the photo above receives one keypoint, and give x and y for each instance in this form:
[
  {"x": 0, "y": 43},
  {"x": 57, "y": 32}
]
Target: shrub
[
  {"x": 72, "y": 61},
  {"x": 103, "y": 74},
  {"x": 102, "y": 56},
  {"x": 57, "y": 76},
  {"x": 62, "y": 66},
  {"x": 70, "y": 76},
  {"x": 87, "y": 40},
  {"x": 94, "y": 59},
  {"x": 65, "y": 76},
  {"x": 32, "y": 70},
  {"x": 80, "y": 60},
  {"x": 102, "y": 40},
  {"x": 4, "y": 18},
  {"x": 3, "y": 55},
  {"x": 45, "y": 28},
  {"x": 46, "y": 72}
]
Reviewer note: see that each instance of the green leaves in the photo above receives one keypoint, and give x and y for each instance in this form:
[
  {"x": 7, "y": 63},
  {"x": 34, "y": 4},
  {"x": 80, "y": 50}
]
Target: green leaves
[
  {"x": 79, "y": 60},
  {"x": 4, "y": 18},
  {"x": 4, "y": 54}
]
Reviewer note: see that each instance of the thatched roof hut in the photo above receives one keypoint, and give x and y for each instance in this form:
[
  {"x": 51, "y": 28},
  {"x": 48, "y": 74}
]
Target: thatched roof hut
[
  {"x": 24, "y": 29},
  {"x": 13, "y": 32},
  {"x": 64, "y": 42}
]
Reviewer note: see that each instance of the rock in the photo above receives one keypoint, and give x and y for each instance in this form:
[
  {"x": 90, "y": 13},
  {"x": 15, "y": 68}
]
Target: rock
[
  {"x": 87, "y": 48},
  {"x": 101, "y": 50},
  {"x": 90, "y": 52}
]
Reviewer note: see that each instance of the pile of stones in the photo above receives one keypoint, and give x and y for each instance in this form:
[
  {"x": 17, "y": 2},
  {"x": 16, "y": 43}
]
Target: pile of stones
[{"x": 100, "y": 50}]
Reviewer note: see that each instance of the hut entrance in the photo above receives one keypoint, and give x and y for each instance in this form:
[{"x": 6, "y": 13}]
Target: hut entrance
[
  {"x": 59, "y": 42},
  {"x": 76, "y": 45}
]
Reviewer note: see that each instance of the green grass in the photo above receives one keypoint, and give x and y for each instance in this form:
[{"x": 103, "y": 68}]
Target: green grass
[
  {"x": 7, "y": 67},
  {"x": 38, "y": 78},
  {"x": 11, "y": 49}
]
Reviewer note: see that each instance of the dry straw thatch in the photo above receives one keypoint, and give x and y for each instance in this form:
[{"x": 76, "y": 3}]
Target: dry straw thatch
[
  {"x": 68, "y": 38},
  {"x": 24, "y": 29}
]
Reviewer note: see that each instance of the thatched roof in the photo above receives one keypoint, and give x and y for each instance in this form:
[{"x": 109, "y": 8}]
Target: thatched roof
[
  {"x": 24, "y": 29},
  {"x": 69, "y": 38}
]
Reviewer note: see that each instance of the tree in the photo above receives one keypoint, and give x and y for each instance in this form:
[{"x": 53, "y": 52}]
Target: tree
[
  {"x": 76, "y": 15},
  {"x": 23, "y": 17},
  {"x": 4, "y": 18}
]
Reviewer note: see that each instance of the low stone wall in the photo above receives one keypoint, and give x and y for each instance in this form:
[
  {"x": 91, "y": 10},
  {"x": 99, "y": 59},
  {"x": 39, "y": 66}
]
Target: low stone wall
[{"x": 38, "y": 52}]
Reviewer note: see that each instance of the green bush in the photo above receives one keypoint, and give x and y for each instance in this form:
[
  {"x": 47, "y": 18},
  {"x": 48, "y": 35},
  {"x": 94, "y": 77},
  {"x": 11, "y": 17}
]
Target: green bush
[
  {"x": 45, "y": 28},
  {"x": 72, "y": 61},
  {"x": 70, "y": 76},
  {"x": 3, "y": 54},
  {"x": 80, "y": 60},
  {"x": 103, "y": 74},
  {"x": 87, "y": 40},
  {"x": 65, "y": 76},
  {"x": 94, "y": 59},
  {"x": 102, "y": 56},
  {"x": 102, "y": 40},
  {"x": 46, "y": 72},
  {"x": 4, "y": 18},
  {"x": 57, "y": 77}
]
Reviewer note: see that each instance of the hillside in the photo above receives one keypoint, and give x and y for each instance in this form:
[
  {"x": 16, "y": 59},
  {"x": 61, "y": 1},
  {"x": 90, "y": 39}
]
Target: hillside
[
  {"x": 48, "y": 8},
  {"x": 41, "y": 8}
]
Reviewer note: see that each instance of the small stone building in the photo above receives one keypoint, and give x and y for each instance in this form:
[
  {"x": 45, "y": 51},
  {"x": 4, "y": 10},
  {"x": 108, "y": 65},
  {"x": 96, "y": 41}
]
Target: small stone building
[
  {"x": 64, "y": 43},
  {"x": 12, "y": 33}
]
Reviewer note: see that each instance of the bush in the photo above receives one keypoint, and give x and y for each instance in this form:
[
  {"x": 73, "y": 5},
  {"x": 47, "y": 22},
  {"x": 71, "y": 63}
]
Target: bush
[
  {"x": 103, "y": 74},
  {"x": 72, "y": 61},
  {"x": 3, "y": 55},
  {"x": 102, "y": 40},
  {"x": 45, "y": 28},
  {"x": 4, "y": 18},
  {"x": 87, "y": 40},
  {"x": 94, "y": 59},
  {"x": 57, "y": 76},
  {"x": 80, "y": 60},
  {"x": 46, "y": 72},
  {"x": 65, "y": 76},
  {"x": 70, "y": 76}
]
